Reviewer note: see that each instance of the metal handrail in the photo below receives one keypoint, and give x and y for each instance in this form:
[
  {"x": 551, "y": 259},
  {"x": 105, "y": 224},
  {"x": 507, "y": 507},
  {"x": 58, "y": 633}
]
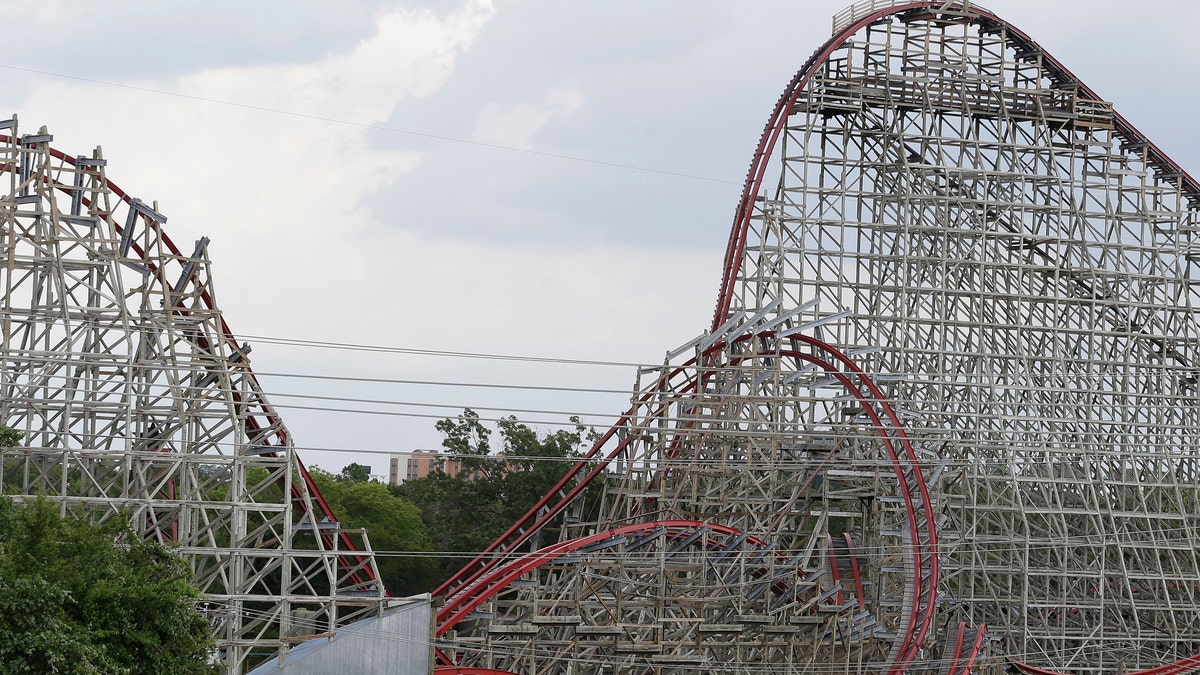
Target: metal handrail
[{"x": 863, "y": 8}]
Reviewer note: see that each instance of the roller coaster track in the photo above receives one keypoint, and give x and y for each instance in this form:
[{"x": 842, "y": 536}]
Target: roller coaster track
[
  {"x": 943, "y": 418},
  {"x": 736, "y": 249},
  {"x": 322, "y": 509},
  {"x": 489, "y": 571},
  {"x": 137, "y": 401},
  {"x": 916, "y": 132}
]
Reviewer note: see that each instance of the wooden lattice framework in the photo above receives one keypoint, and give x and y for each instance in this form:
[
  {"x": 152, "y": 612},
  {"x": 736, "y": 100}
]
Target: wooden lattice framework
[
  {"x": 136, "y": 402},
  {"x": 950, "y": 392}
]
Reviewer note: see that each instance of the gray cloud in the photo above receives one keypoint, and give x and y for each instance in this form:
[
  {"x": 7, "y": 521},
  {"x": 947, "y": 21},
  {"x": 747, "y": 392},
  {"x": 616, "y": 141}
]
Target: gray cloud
[{"x": 335, "y": 232}]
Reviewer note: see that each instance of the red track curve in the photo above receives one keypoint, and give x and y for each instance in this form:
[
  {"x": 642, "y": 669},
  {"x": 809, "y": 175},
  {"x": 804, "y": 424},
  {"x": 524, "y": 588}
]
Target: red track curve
[
  {"x": 532, "y": 521},
  {"x": 778, "y": 121},
  {"x": 962, "y": 658},
  {"x": 911, "y": 644},
  {"x": 529, "y": 523},
  {"x": 924, "y": 595},
  {"x": 458, "y": 609}
]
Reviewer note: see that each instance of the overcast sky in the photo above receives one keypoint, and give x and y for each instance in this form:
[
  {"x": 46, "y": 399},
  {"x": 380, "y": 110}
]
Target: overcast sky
[{"x": 394, "y": 205}]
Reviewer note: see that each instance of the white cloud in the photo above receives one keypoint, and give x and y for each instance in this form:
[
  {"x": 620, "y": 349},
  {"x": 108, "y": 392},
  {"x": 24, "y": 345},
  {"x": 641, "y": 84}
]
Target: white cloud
[
  {"x": 302, "y": 247},
  {"x": 283, "y": 197},
  {"x": 36, "y": 11},
  {"x": 515, "y": 126},
  {"x": 298, "y": 253}
]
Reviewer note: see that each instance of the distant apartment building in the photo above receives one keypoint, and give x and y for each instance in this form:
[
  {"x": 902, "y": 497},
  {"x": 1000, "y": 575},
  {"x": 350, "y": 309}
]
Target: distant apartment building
[
  {"x": 404, "y": 466},
  {"x": 416, "y": 464}
]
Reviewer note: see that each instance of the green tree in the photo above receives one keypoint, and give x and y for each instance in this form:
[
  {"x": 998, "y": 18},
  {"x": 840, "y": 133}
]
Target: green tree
[
  {"x": 469, "y": 442},
  {"x": 354, "y": 473},
  {"x": 81, "y": 598},
  {"x": 393, "y": 525},
  {"x": 467, "y": 512},
  {"x": 9, "y": 437},
  {"x": 463, "y": 516}
]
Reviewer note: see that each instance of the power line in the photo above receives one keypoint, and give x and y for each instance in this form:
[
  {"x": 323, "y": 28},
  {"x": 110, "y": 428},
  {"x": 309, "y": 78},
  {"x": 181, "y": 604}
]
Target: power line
[
  {"x": 443, "y": 383},
  {"x": 373, "y": 127},
  {"x": 294, "y": 342},
  {"x": 394, "y": 413}
]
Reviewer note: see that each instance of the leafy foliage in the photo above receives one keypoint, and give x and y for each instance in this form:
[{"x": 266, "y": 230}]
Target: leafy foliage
[
  {"x": 9, "y": 437},
  {"x": 354, "y": 473},
  {"x": 82, "y": 598},
  {"x": 393, "y": 524},
  {"x": 467, "y": 512}
]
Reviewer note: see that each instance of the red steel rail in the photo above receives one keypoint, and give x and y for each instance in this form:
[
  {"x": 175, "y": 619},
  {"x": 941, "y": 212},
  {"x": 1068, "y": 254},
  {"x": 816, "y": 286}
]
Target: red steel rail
[
  {"x": 499, "y": 579},
  {"x": 481, "y": 573}
]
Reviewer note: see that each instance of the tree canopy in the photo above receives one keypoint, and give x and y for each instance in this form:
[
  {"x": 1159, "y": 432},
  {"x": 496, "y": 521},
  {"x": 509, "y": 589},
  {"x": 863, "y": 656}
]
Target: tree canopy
[
  {"x": 354, "y": 473},
  {"x": 393, "y": 525},
  {"x": 467, "y": 512},
  {"x": 9, "y": 437},
  {"x": 425, "y": 529},
  {"x": 80, "y": 598}
]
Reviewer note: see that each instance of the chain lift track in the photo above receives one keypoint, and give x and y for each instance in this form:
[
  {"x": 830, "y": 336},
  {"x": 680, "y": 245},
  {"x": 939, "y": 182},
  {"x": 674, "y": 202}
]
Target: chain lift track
[{"x": 945, "y": 416}]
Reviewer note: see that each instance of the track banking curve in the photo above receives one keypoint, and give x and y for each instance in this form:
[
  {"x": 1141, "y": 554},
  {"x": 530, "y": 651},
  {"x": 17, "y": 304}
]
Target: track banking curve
[
  {"x": 480, "y": 578},
  {"x": 456, "y": 610}
]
